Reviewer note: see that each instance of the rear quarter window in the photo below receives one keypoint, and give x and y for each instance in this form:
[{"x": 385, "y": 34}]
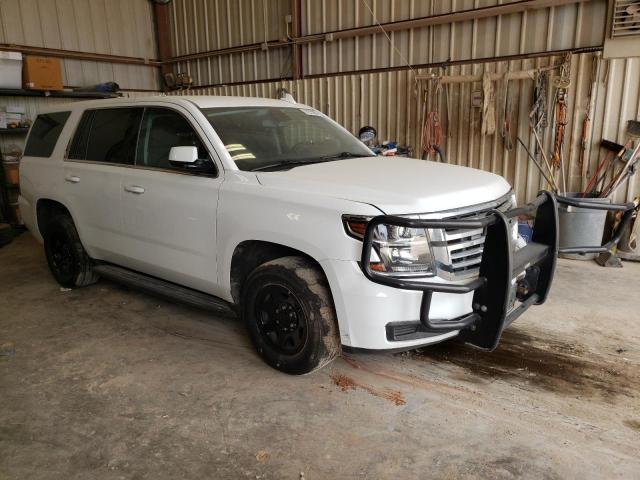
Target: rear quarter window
[{"x": 45, "y": 133}]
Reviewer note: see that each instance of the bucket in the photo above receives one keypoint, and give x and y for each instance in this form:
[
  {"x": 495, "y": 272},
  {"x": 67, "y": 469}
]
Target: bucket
[{"x": 581, "y": 227}]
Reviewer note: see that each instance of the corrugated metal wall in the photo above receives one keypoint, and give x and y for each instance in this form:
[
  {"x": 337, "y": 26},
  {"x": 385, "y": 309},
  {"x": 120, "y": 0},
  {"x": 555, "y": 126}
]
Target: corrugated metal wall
[
  {"x": 391, "y": 101},
  {"x": 556, "y": 28},
  {"x": 116, "y": 27},
  {"x": 203, "y": 25}
]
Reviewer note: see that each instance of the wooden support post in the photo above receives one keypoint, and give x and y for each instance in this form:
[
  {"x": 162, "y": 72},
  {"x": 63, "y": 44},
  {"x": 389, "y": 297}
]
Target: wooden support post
[
  {"x": 296, "y": 52},
  {"x": 163, "y": 39}
]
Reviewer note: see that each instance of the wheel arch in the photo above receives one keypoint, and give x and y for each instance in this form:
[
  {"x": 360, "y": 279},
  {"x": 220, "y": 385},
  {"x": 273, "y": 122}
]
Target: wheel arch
[
  {"x": 46, "y": 209},
  {"x": 249, "y": 254}
]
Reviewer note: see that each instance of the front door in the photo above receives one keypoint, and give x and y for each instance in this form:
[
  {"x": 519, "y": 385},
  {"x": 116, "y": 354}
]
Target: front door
[{"x": 169, "y": 213}]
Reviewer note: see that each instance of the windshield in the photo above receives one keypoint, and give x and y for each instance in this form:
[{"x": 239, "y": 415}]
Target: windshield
[{"x": 261, "y": 138}]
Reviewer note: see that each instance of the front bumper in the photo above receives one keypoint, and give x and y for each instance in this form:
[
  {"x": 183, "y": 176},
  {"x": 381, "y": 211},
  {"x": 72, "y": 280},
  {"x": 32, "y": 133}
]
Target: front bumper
[{"x": 508, "y": 283}]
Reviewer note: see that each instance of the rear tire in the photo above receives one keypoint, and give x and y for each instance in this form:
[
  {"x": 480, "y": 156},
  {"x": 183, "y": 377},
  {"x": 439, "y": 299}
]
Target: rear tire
[
  {"x": 67, "y": 259},
  {"x": 289, "y": 313}
]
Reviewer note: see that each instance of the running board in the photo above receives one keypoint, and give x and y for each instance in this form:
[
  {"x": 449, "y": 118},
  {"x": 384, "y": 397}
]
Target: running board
[{"x": 164, "y": 289}]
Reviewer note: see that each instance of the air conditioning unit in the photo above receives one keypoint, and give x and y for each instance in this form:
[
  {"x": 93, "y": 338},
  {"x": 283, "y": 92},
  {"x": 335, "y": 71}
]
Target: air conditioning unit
[{"x": 623, "y": 27}]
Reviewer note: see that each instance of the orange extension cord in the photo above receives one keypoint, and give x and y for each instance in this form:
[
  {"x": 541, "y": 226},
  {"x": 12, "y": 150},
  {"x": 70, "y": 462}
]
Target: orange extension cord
[{"x": 431, "y": 133}]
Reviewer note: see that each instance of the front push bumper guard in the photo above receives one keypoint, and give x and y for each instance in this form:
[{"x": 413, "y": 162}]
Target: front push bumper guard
[{"x": 499, "y": 267}]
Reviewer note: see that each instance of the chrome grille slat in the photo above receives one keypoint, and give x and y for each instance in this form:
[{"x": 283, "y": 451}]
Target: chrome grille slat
[
  {"x": 466, "y": 263},
  {"x": 458, "y": 252},
  {"x": 456, "y": 234},
  {"x": 465, "y": 244}
]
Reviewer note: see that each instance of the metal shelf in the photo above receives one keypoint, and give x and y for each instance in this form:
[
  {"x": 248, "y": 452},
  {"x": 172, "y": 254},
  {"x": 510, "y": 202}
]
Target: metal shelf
[
  {"x": 10, "y": 92},
  {"x": 10, "y": 131}
]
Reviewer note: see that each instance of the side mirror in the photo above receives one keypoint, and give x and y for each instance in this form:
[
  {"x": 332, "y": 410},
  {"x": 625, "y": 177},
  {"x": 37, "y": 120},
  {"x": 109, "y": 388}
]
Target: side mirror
[
  {"x": 183, "y": 155},
  {"x": 187, "y": 159}
]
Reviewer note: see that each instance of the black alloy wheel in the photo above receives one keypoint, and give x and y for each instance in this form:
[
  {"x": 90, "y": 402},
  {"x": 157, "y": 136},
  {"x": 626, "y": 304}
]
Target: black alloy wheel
[
  {"x": 281, "y": 319},
  {"x": 62, "y": 259}
]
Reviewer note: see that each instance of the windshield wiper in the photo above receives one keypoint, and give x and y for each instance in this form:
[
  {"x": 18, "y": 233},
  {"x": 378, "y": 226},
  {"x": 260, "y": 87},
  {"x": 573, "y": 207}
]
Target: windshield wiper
[
  {"x": 345, "y": 155},
  {"x": 287, "y": 163},
  {"x": 309, "y": 161}
]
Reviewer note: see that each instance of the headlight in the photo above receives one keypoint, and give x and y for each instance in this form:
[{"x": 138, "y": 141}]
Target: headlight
[{"x": 397, "y": 251}]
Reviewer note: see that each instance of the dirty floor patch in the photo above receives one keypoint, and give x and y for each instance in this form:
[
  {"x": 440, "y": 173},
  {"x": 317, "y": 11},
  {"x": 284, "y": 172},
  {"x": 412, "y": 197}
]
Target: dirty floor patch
[{"x": 540, "y": 362}]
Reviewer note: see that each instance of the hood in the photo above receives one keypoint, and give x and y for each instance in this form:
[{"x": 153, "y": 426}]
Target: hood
[{"x": 396, "y": 185}]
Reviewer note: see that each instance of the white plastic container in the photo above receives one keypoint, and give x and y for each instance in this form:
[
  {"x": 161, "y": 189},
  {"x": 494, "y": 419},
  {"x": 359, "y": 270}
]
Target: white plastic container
[{"x": 10, "y": 70}]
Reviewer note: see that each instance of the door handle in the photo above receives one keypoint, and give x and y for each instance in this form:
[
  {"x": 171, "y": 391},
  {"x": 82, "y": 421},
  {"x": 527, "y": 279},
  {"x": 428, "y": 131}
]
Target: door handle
[
  {"x": 138, "y": 190},
  {"x": 71, "y": 179}
]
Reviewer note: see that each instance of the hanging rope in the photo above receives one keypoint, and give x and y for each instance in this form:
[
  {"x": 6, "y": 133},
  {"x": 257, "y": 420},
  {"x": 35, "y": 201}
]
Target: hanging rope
[
  {"x": 561, "y": 123},
  {"x": 432, "y": 133},
  {"x": 562, "y": 84},
  {"x": 432, "y": 127}
]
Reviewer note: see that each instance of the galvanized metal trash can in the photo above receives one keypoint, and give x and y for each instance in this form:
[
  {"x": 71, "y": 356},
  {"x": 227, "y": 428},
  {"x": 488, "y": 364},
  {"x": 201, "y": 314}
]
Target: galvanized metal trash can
[{"x": 580, "y": 227}]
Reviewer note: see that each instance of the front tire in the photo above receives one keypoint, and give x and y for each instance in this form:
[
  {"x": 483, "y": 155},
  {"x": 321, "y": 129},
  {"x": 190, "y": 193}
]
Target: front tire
[
  {"x": 289, "y": 313},
  {"x": 67, "y": 259}
]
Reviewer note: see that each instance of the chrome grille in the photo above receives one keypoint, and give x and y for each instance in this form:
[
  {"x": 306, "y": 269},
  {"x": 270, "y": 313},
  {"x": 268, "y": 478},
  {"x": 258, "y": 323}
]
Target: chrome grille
[{"x": 458, "y": 252}]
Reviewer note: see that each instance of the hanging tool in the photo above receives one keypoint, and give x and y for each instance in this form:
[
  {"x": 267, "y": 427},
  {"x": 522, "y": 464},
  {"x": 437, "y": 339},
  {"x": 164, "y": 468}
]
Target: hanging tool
[
  {"x": 538, "y": 119},
  {"x": 540, "y": 169},
  {"x": 560, "y": 119},
  {"x": 611, "y": 166},
  {"x": 615, "y": 151},
  {"x": 586, "y": 123},
  {"x": 538, "y": 114},
  {"x": 540, "y": 149},
  {"x": 562, "y": 83},
  {"x": 505, "y": 130},
  {"x": 627, "y": 171}
]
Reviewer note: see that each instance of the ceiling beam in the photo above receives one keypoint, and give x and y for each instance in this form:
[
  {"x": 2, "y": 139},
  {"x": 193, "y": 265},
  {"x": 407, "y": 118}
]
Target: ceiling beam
[{"x": 78, "y": 55}]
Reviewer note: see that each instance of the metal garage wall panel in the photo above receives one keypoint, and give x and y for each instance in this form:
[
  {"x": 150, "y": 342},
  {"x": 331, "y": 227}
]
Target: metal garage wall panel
[
  {"x": 556, "y": 28},
  {"x": 117, "y": 27},
  {"x": 203, "y": 25},
  {"x": 389, "y": 102}
]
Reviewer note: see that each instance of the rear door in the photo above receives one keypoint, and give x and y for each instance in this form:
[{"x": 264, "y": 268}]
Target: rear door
[
  {"x": 169, "y": 213},
  {"x": 103, "y": 146}
]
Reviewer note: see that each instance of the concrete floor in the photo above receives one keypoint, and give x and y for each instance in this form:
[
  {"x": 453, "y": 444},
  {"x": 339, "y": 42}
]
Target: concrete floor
[{"x": 104, "y": 382}]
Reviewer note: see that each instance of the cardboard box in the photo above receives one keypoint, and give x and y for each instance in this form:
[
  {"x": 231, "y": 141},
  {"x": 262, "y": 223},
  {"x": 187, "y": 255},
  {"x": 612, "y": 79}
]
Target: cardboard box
[{"x": 42, "y": 73}]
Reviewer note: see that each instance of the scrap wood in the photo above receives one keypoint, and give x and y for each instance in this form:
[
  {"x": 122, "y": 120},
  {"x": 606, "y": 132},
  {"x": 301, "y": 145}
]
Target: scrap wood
[{"x": 488, "y": 106}]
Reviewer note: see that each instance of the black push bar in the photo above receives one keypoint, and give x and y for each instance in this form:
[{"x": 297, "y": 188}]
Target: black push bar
[
  {"x": 494, "y": 300},
  {"x": 627, "y": 208}
]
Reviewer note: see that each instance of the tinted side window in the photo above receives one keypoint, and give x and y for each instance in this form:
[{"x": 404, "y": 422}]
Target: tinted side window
[
  {"x": 78, "y": 150},
  {"x": 44, "y": 134},
  {"x": 162, "y": 129},
  {"x": 113, "y": 135}
]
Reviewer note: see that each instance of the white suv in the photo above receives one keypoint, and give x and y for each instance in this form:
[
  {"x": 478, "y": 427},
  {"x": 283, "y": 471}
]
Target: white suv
[{"x": 273, "y": 209}]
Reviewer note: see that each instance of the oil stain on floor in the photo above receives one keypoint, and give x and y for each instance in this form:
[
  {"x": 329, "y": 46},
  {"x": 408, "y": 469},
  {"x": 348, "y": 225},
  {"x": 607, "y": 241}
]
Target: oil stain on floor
[
  {"x": 544, "y": 363},
  {"x": 346, "y": 383}
]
